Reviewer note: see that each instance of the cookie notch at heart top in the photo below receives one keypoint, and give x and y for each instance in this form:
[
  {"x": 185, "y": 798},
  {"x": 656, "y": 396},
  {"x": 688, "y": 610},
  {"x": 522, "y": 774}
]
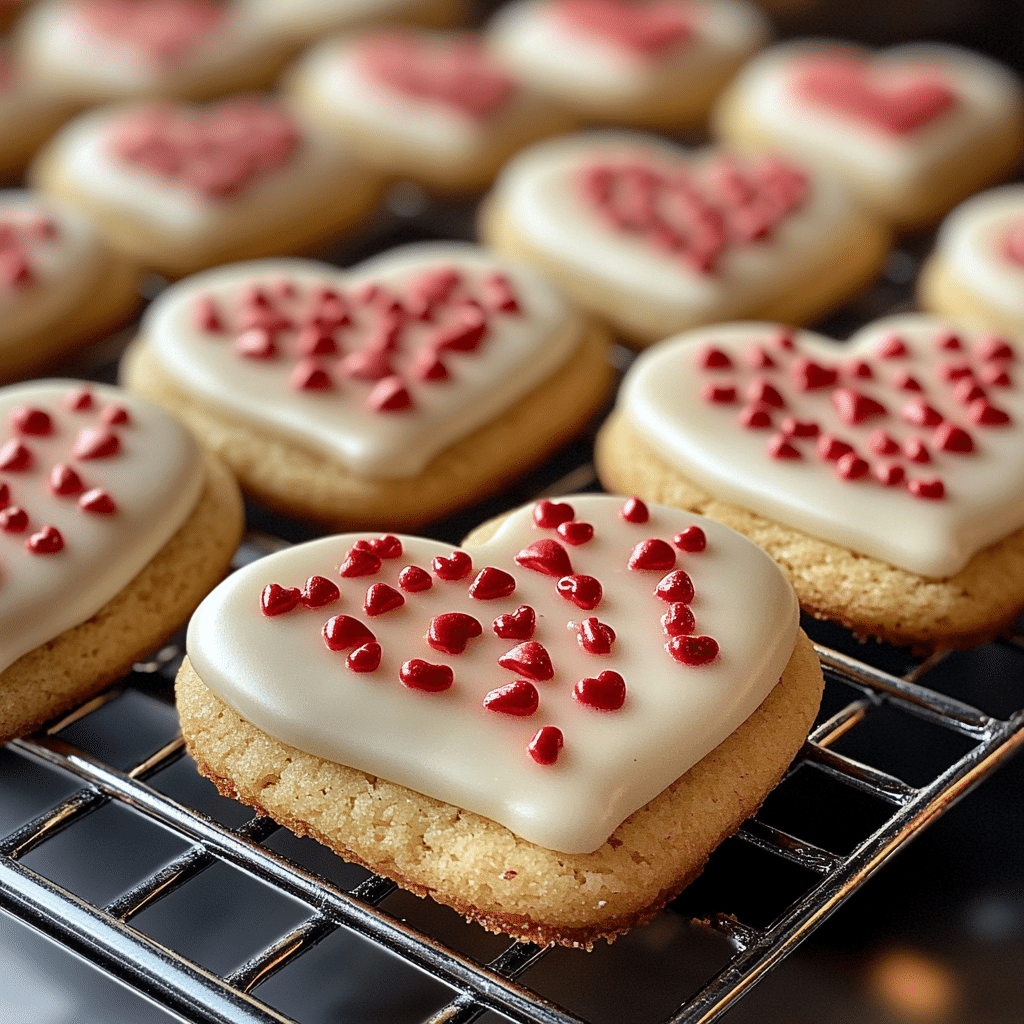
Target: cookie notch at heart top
[
  {"x": 890, "y": 460},
  {"x": 614, "y": 731}
]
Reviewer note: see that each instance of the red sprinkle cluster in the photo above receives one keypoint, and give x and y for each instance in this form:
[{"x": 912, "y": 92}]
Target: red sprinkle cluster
[
  {"x": 695, "y": 214},
  {"x": 19, "y": 458},
  {"x": 215, "y": 151},
  {"x": 166, "y": 31},
  {"x": 892, "y": 453},
  {"x": 455, "y": 72},
  {"x": 849, "y": 85},
  {"x": 361, "y": 337},
  {"x": 451, "y": 633},
  {"x": 16, "y": 240},
  {"x": 645, "y": 29}
]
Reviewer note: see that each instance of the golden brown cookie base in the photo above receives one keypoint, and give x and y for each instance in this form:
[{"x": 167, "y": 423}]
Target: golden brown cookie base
[
  {"x": 851, "y": 263},
  {"x": 299, "y": 482},
  {"x": 480, "y": 868},
  {"x": 940, "y": 291},
  {"x": 83, "y": 660},
  {"x": 864, "y": 594},
  {"x": 108, "y": 305}
]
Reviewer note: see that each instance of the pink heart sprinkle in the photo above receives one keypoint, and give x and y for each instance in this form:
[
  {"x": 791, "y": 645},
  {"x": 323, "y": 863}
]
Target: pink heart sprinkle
[
  {"x": 95, "y": 443},
  {"x": 36, "y": 422},
  {"x": 98, "y": 502},
  {"x": 47, "y": 541},
  {"x": 64, "y": 480},
  {"x": 15, "y": 457}
]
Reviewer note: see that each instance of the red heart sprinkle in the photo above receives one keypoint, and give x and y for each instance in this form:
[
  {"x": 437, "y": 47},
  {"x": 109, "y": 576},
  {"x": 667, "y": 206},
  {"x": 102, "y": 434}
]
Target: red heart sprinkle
[
  {"x": 499, "y": 294},
  {"x": 546, "y": 745},
  {"x": 860, "y": 370},
  {"x": 519, "y": 698},
  {"x": 15, "y": 457},
  {"x": 98, "y": 502},
  {"x": 115, "y": 416},
  {"x": 5, "y": 495},
  {"x": 722, "y": 394},
  {"x": 318, "y": 591},
  {"x": 932, "y": 489},
  {"x": 343, "y": 631},
  {"x": 360, "y": 561},
  {"x": 921, "y": 414},
  {"x": 889, "y": 475},
  {"x": 915, "y": 450},
  {"x": 809, "y": 375},
  {"x": 386, "y": 546},
  {"x": 96, "y": 443},
  {"x": 575, "y": 533},
  {"x": 13, "y": 519},
  {"x": 853, "y": 407},
  {"x": 276, "y": 600},
  {"x": 652, "y": 554},
  {"x": 413, "y": 579},
  {"x": 979, "y": 411},
  {"x": 545, "y": 556},
  {"x": 954, "y": 371},
  {"x": 381, "y": 598},
  {"x": 309, "y": 376},
  {"x": 714, "y": 359},
  {"x": 948, "y": 342},
  {"x": 461, "y": 337},
  {"x": 905, "y": 382},
  {"x": 780, "y": 448},
  {"x": 418, "y": 674},
  {"x": 528, "y": 659},
  {"x": 429, "y": 366},
  {"x": 365, "y": 658},
  {"x": 967, "y": 391},
  {"x": 950, "y": 438},
  {"x": 594, "y": 636},
  {"x": 46, "y": 541},
  {"x": 313, "y": 340},
  {"x": 635, "y": 511},
  {"x": 605, "y": 693},
  {"x": 583, "y": 591},
  {"x": 31, "y": 421},
  {"x": 79, "y": 400},
  {"x": 691, "y": 539},
  {"x": 993, "y": 347},
  {"x": 369, "y": 364},
  {"x": 64, "y": 480},
  {"x": 890, "y": 346},
  {"x": 549, "y": 514},
  {"x": 693, "y": 650},
  {"x": 676, "y": 586},
  {"x": 491, "y": 583},
  {"x": 450, "y": 632},
  {"x": 517, "y": 625},
  {"x": 754, "y": 417},
  {"x": 851, "y": 466},
  {"x": 881, "y": 443},
  {"x": 678, "y": 620},
  {"x": 831, "y": 448},
  {"x": 760, "y": 392},
  {"x": 207, "y": 318},
  {"x": 257, "y": 343},
  {"x": 457, "y": 567}
]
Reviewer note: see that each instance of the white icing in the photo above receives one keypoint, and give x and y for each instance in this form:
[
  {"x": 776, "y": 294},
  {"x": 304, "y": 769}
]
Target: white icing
[
  {"x": 64, "y": 268},
  {"x": 987, "y": 99},
  {"x": 970, "y": 244},
  {"x": 563, "y": 60},
  {"x": 661, "y": 396},
  {"x": 63, "y": 50},
  {"x": 278, "y": 673},
  {"x": 82, "y": 151},
  {"x": 155, "y": 481},
  {"x": 518, "y": 353},
  {"x": 538, "y": 191}
]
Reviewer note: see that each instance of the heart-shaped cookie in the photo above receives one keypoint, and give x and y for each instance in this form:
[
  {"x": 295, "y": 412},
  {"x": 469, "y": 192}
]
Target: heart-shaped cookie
[
  {"x": 656, "y": 238},
  {"x": 549, "y": 685},
  {"x": 93, "y": 482},
  {"x": 913, "y": 129},
  {"x": 378, "y": 371},
  {"x": 183, "y": 187},
  {"x": 976, "y": 271}
]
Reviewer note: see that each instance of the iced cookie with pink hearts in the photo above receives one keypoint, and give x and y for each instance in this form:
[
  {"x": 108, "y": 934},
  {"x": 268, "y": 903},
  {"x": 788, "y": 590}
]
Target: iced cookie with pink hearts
[
  {"x": 548, "y": 729},
  {"x": 436, "y": 108},
  {"x": 654, "y": 238},
  {"x": 913, "y": 130},
  {"x": 656, "y": 64},
  {"x": 179, "y": 188},
  {"x": 113, "y": 526},
  {"x": 975, "y": 273},
  {"x": 60, "y": 286},
  {"x": 97, "y": 51},
  {"x": 387, "y": 395},
  {"x": 886, "y": 474}
]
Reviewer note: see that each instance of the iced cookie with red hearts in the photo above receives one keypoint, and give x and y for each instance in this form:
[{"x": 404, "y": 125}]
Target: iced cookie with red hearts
[
  {"x": 60, "y": 286},
  {"x": 654, "y": 64},
  {"x": 655, "y": 238},
  {"x": 548, "y": 729},
  {"x": 113, "y": 526},
  {"x": 98, "y": 51},
  {"x": 387, "y": 395},
  {"x": 436, "y": 108},
  {"x": 180, "y": 187},
  {"x": 975, "y": 273},
  {"x": 913, "y": 130},
  {"x": 886, "y": 475}
]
